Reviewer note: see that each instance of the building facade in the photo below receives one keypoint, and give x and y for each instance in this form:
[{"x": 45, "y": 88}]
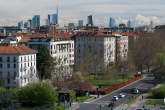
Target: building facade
[
  {"x": 52, "y": 19},
  {"x": 97, "y": 45},
  {"x": 36, "y": 21},
  {"x": 121, "y": 47},
  {"x": 60, "y": 46},
  {"x": 17, "y": 66},
  {"x": 111, "y": 22},
  {"x": 90, "y": 20}
]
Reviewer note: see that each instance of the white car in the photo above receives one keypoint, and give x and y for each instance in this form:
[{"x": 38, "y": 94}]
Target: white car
[
  {"x": 115, "y": 98},
  {"x": 121, "y": 95}
]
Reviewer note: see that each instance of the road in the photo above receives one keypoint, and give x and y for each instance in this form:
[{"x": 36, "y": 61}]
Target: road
[{"x": 144, "y": 85}]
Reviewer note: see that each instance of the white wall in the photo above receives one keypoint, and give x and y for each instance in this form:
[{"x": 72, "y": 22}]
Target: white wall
[{"x": 18, "y": 77}]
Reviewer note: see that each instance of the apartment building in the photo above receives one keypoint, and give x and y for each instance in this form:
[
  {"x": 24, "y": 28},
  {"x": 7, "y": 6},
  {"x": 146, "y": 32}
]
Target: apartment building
[
  {"x": 121, "y": 47},
  {"x": 17, "y": 66},
  {"x": 99, "y": 44},
  {"x": 61, "y": 46}
]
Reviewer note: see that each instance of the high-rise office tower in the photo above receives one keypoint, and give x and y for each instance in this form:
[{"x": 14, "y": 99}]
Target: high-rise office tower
[
  {"x": 36, "y": 21},
  {"x": 129, "y": 23},
  {"x": 80, "y": 23},
  {"x": 90, "y": 20},
  {"x": 21, "y": 24},
  {"x": 29, "y": 23},
  {"x": 111, "y": 22},
  {"x": 53, "y": 18}
]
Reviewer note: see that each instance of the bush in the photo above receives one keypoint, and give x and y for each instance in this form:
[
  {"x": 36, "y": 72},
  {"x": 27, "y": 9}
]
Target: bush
[
  {"x": 159, "y": 93},
  {"x": 72, "y": 96},
  {"x": 8, "y": 99},
  {"x": 37, "y": 95}
]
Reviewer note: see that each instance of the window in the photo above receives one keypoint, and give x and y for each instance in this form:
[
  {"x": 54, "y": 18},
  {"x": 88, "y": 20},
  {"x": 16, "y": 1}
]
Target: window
[
  {"x": 8, "y": 65},
  {"x": 14, "y": 65},
  {"x": 25, "y": 58},
  {"x": 1, "y": 65},
  {"x": 8, "y": 59},
  {"x": 8, "y": 81},
  {"x": 0, "y": 59},
  {"x": 14, "y": 59}
]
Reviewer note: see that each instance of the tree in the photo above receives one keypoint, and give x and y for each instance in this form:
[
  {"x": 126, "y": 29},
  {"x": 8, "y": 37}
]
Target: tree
[
  {"x": 45, "y": 63},
  {"x": 160, "y": 60},
  {"x": 144, "y": 49},
  {"x": 37, "y": 95}
]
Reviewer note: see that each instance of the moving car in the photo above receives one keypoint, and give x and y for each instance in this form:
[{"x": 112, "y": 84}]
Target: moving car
[
  {"x": 121, "y": 95},
  {"x": 135, "y": 91},
  {"x": 115, "y": 98}
]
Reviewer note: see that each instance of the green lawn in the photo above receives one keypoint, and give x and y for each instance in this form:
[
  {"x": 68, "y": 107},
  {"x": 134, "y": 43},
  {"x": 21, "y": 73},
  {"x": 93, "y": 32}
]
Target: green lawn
[
  {"x": 158, "y": 102},
  {"x": 148, "y": 96},
  {"x": 59, "y": 108},
  {"x": 51, "y": 108},
  {"x": 103, "y": 82},
  {"x": 83, "y": 98}
]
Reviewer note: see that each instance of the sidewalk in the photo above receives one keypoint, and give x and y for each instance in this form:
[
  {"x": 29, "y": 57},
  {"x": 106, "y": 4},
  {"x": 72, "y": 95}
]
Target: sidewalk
[{"x": 138, "y": 102}]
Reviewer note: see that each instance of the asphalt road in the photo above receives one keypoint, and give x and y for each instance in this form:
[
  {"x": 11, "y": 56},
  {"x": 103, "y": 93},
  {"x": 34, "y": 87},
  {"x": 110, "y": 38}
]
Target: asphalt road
[{"x": 143, "y": 85}]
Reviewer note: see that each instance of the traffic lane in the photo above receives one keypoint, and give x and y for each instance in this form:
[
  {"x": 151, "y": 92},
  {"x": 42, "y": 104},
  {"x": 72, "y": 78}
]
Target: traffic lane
[
  {"x": 83, "y": 106},
  {"x": 142, "y": 84}
]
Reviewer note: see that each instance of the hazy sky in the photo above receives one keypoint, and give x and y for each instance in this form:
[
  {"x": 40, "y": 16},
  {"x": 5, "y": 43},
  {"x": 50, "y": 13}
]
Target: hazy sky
[{"x": 12, "y": 11}]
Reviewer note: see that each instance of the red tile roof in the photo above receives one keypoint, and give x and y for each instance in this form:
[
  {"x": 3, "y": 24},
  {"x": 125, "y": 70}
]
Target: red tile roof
[
  {"x": 100, "y": 33},
  {"x": 15, "y": 50},
  {"x": 25, "y": 39},
  {"x": 130, "y": 34},
  {"x": 8, "y": 40},
  {"x": 60, "y": 35}
]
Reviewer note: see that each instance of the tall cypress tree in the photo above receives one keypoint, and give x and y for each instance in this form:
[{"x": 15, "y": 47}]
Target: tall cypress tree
[{"x": 45, "y": 63}]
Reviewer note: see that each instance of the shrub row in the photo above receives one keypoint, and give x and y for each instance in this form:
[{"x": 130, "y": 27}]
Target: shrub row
[{"x": 118, "y": 86}]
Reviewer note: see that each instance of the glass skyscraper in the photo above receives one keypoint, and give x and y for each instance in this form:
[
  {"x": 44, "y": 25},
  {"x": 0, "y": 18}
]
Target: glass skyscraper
[
  {"x": 90, "y": 20},
  {"x": 36, "y": 21},
  {"x": 53, "y": 19},
  {"x": 80, "y": 23},
  {"x": 111, "y": 22}
]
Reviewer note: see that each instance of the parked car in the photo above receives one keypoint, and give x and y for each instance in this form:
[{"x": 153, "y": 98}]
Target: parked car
[
  {"x": 121, "y": 95},
  {"x": 139, "y": 109},
  {"x": 115, "y": 98}
]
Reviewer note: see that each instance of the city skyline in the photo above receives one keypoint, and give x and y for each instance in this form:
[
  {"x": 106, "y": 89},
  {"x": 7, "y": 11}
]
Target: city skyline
[{"x": 142, "y": 11}]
